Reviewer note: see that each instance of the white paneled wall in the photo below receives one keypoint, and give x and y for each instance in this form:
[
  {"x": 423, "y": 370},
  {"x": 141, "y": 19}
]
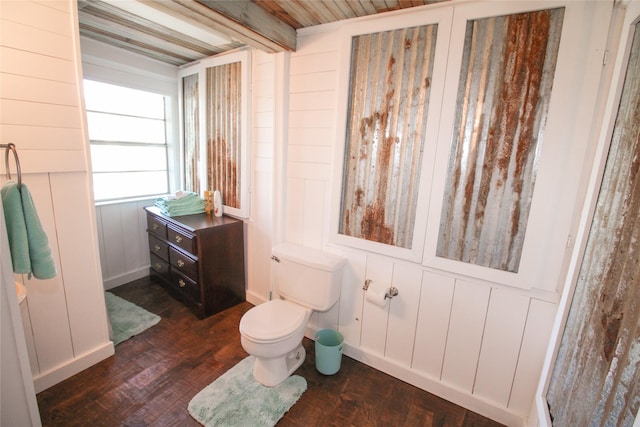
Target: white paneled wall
[
  {"x": 471, "y": 341},
  {"x": 64, "y": 317},
  {"x": 124, "y": 248},
  {"x": 259, "y": 228}
]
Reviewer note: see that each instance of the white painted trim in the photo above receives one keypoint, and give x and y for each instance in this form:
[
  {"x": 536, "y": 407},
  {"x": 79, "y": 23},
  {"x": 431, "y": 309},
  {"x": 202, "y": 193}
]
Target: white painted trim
[
  {"x": 121, "y": 279},
  {"x": 280, "y": 144},
  {"x": 254, "y": 298},
  {"x": 72, "y": 367},
  {"x": 20, "y": 405},
  {"x": 544, "y": 251},
  {"x": 442, "y": 17},
  {"x": 610, "y": 91},
  {"x": 243, "y": 56}
]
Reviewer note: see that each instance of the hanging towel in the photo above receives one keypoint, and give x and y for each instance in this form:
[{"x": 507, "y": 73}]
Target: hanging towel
[{"x": 28, "y": 243}]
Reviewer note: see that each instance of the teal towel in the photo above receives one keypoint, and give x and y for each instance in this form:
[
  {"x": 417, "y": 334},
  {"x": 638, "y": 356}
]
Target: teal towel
[
  {"x": 28, "y": 243},
  {"x": 188, "y": 204}
]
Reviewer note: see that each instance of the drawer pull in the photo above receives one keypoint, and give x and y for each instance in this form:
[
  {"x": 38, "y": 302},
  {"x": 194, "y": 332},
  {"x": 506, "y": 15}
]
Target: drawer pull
[
  {"x": 178, "y": 239},
  {"x": 158, "y": 266},
  {"x": 156, "y": 248},
  {"x": 181, "y": 283},
  {"x": 155, "y": 226},
  {"x": 180, "y": 263}
]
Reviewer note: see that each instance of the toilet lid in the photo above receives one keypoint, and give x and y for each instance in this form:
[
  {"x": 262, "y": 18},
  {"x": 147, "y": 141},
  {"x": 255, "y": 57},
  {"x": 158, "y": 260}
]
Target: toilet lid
[{"x": 273, "y": 320}]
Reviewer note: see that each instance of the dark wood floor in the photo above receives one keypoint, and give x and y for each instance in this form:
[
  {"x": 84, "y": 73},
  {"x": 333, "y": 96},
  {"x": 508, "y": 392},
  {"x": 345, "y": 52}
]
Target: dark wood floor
[{"x": 154, "y": 375}]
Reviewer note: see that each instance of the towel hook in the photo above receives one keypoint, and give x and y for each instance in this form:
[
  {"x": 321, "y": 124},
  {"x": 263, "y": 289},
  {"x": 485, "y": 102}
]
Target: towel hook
[{"x": 12, "y": 147}]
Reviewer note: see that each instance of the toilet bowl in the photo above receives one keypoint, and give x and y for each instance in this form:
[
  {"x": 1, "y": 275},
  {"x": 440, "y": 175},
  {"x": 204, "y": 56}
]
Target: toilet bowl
[
  {"x": 273, "y": 332},
  {"x": 306, "y": 280}
]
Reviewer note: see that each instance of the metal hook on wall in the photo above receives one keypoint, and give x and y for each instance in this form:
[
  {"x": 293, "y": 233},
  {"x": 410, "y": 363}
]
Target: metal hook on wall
[{"x": 12, "y": 147}]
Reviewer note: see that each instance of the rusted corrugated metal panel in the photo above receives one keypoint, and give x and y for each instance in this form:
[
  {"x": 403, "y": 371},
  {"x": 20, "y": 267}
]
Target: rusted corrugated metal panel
[
  {"x": 505, "y": 85},
  {"x": 390, "y": 86},
  {"x": 596, "y": 380},
  {"x": 223, "y": 131},
  {"x": 191, "y": 129}
]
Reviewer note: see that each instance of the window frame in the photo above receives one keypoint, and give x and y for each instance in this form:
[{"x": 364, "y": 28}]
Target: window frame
[
  {"x": 169, "y": 111},
  {"x": 244, "y": 57},
  {"x": 441, "y": 17}
]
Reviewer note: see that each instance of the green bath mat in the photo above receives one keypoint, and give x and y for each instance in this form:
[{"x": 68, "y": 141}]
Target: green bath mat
[
  {"x": 237, "y": 399},
  {"x": 127, "y": 319}
]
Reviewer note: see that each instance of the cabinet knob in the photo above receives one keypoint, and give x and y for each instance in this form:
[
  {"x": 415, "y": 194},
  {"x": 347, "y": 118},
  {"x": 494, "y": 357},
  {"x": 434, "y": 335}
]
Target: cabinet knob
[
  {"x": 181, "y": 283},
  {"x": 180, "y": 263},
  {"x": 154, "y": 226},
  {"x": 158, "y": 266},
  {"x": 156, "y": 248},
  {"x": 178, "y": 239}
]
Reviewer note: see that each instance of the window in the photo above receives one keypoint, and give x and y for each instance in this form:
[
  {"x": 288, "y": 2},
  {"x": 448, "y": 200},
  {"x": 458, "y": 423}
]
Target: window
[{"x": 127, "y": 132}]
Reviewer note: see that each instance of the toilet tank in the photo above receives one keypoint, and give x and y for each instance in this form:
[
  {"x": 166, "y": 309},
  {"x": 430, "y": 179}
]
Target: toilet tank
[{"x": 306, "y": 276}]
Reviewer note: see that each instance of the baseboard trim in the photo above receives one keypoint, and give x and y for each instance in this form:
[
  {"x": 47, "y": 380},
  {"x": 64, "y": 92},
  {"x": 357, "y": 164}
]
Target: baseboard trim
[
  {"x": 70, "y": 368},
  {"x": 254, "y": 298},
  {"x": 114, "y": 282},
  {"x": 440, "y": 389}
]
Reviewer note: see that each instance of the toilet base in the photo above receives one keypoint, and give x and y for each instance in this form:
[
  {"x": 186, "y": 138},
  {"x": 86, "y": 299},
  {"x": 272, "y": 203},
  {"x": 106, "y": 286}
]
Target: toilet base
[{"x": 271, "y": 372}]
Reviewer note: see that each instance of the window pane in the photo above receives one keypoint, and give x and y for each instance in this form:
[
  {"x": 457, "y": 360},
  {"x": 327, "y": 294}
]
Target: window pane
[
  {"x": 121, "y": 100},
  {"x": 388, "y": 102},
  {"x": 503, "y": 97},
  {"x": 126, "y": 158},
  {"x": 110, "y": 127},
  {"x": 108, "y": 186},
  {"x": 128, "y": 141}
]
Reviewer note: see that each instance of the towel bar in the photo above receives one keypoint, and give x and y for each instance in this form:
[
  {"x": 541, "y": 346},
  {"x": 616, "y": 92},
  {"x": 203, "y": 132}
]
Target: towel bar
[{"x": 12, "y": 147}]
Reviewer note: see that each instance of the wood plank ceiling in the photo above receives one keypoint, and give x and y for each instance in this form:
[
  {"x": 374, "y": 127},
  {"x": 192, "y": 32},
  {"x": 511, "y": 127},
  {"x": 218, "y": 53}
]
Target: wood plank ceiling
[{"x": 182, "y": 31}]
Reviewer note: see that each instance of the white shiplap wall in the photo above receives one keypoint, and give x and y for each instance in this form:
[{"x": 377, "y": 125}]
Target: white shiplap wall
[{"x": 42, "y": 114}]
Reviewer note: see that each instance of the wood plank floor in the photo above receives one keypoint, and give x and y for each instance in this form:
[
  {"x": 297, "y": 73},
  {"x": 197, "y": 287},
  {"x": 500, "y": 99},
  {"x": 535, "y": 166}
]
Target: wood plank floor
[{"x": 154, "y": 375}]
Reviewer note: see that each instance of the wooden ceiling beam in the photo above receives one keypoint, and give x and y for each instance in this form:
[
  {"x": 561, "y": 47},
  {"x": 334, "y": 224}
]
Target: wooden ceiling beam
[
  {"x": 249, "y": 15},
  {"x": 239, "y": 20}
]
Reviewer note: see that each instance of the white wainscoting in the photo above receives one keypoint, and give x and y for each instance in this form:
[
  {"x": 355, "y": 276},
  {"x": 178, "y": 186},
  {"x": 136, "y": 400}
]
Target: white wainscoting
[{"x": 124, "y": 248}]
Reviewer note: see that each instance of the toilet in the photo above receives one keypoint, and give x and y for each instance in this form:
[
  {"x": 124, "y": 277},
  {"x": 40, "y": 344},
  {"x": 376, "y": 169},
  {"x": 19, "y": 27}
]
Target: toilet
[{"x": 306, "y": 280}]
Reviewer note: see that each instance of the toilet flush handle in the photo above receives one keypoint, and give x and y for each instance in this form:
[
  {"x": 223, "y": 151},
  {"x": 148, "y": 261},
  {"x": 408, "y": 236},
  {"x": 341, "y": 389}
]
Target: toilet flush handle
[{"x": 275, "y": 258}]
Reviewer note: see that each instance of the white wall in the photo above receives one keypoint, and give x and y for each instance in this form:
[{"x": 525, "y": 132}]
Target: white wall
[
  {"x": 473, "y": 341},
  {"x": 42, "y": 114}
]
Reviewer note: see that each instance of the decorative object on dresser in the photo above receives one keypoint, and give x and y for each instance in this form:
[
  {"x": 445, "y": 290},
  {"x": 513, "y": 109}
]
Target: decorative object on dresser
[{"x": 198, "y": 258}]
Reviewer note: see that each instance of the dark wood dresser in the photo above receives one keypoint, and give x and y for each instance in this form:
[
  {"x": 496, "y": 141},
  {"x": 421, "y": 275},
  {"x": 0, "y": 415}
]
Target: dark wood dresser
[{"x": 198, "y": 258}]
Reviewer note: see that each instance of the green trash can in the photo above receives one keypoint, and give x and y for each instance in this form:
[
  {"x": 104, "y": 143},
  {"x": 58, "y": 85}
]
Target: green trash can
[{"x": 329, "y": 343}]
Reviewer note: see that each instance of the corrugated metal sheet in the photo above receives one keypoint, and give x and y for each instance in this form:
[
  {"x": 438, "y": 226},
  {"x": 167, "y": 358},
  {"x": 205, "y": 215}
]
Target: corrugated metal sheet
[
  {"x": 224, "y": 131},
  {"x": 191, "y": 129},
  {"x": 596, "y": 380},
  {"x": 389, "y": 97},
  {"x": 504, "y": 90}
]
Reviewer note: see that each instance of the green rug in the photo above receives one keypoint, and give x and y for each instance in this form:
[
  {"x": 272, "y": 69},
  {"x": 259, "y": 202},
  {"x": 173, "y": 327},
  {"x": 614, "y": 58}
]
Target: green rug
[
  {"x": 127, "y": 319},
  {"x": 237, "y": 399}
]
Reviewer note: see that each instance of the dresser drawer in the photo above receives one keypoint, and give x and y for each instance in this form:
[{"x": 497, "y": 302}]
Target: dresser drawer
[
  {"x": 160, "y": 266},
  {"x": 186, "y": 285},
  {"x": 157, "y": 226},
  {"x": 183, "y": 239},
  {"x": 184, "y": 263},
  {"x": 158, "y": 247}
]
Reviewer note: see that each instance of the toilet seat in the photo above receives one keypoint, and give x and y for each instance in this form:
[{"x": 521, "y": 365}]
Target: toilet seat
[{"x": 272, "y": 321}]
